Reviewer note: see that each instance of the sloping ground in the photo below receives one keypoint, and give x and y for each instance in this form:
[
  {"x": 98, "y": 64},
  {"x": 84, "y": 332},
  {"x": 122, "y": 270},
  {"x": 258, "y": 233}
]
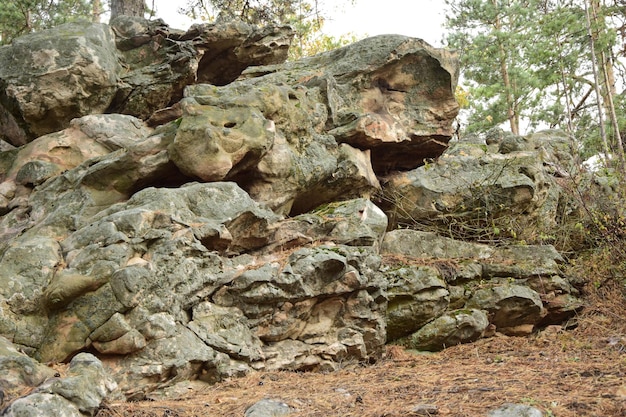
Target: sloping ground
[{"x": 574, "y": 373}]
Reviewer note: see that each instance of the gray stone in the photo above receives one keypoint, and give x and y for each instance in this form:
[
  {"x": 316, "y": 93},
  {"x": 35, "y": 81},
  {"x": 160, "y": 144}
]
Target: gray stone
[
  {"x": 398, "y": 135},
  {"x": 268, "y": 408},
  {"x": 356, "y": 222},
  {"x": 19, "y": 371},
  {"x": 425, "y": 410},
  {"x": 510, "y": 307},
  {"x": 230, "y": 46},
  {"x": 515, "y": 410},
  {"x": 494, "y": 136},
  {"x": 512, "y": 143},
  {"x": 524, "y": 261},
  {"x": 507, "y": 281},
  {"x": 42, "y": 405},
  {"x": 161, "y": 61},
  {"x": 214, "y": 145},
  {"x": 417, "y": 295},
  {"x": 226, "y": 329},
  {"x": 453, "y": 328},
  {"x": 79, "y": 393},
  {"x": 417, "y": 244},
  {"x": 26, "y": 266}
]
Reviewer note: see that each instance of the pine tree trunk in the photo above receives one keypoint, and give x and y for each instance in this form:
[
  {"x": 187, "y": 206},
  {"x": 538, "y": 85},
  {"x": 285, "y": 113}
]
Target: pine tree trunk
[
  {"x": 596, "y": 78},
  {"x": 96, "y": 11},
  {"x": 504, "y": 72},
  {"x": 606, "y": 78},
  {"x": 128, "y": 8}
]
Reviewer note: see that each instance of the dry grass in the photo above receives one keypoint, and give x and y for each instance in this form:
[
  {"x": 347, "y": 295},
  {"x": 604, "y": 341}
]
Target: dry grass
[{"x": 567, "y": 374}]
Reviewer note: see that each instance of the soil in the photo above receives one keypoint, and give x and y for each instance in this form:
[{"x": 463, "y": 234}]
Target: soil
[{"x": 564, "y": 373}]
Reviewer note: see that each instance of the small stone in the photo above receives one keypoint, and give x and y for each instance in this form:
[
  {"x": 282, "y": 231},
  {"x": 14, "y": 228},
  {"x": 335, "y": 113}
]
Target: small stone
[
  {"x": 268, "y": 408},
  {"x": 515, "y": 410},
  {"x": 425, "y": 410}
]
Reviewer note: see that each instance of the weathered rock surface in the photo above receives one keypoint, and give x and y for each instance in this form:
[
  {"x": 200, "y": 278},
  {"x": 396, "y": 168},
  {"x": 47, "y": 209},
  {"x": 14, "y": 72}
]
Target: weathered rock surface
[
  {"x": 48, "y": 78},
  {"x": 322, "y": 123},
  {"x": 156, "y": 68},
  {"x": 51, "y": 77},
  {"x": 473, "y": 181},
  {"x": 417, "y": 295},
  {"x": 229, "y": 47},
  {"x": 389, "y": 94},
  {"x": 167, "y": 272},
  {"x": 18, "y": 370},
  {"x": 431, "y": 277},
  {"x": 450, "y": 329},
  {"x": 239, "y": 230},
  {"x": 80, "y": 393}
]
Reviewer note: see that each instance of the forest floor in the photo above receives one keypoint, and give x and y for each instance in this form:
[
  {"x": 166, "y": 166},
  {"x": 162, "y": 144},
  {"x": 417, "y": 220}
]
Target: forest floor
[{"x": 573, "y": 373}]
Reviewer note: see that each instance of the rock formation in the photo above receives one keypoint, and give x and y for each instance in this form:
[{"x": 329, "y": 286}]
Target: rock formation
[{"x": 185, "y": 206}]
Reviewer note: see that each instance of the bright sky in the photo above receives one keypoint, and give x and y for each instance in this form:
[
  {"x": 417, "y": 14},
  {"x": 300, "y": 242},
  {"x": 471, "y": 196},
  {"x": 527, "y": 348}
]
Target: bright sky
[{"x": 416, "y": 18}]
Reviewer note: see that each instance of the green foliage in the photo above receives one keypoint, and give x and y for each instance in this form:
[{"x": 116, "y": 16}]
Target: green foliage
[
  {"x": 19, "y": 17},
  {"x": 310, "y": 39},
  {"x": 529, "y": 61},
  {"x": 462, "y": 97},
  {"x": 306, "y": 17},
  {"x": 258, "y": 12},
  {"x": 486, "y": 33}
]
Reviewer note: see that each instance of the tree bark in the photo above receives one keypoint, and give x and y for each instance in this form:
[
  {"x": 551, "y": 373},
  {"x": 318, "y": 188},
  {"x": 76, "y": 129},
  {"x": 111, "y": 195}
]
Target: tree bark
[
  {"x": 605, "y": 64},
  {"x": 605, "y": 88},
  {"x": 509, "y": 88},
  {"x": 96, "y": 11},
  {"x": 596, "y": 78},
  {"x": 128, "y": 8}
]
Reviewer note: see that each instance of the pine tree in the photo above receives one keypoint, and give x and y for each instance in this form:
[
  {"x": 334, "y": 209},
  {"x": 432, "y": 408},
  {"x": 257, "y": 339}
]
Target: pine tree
[
  {"x": 19, "y": 17},
  {"x": 488, "y": 34},
  {"x": 307, "y": 17},
  {"x": 128, "y": 8}
]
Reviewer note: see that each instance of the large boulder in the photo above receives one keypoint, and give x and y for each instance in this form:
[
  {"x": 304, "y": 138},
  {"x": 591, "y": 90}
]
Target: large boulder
[
  {"x": 271, "y": 139},
  {"x": 214, "y": 144},
  {"x": 86, "y": 137},
  {"x": 390, "y": 94},
  {"x": 450, "y": 329},
  {"x": 79, "y": 393},
  {"x": 26, "y": 266},
  {"x": 301, "y": 134},
  {"x": 19, "y": 371},
  {"x": 417, "y": 295},
  {"x": 508, "y": 182},
  {"x": 58, "y": 178},
  {"x": 229, "y": 46},
  {"x": 156, "y": 67},
  {"x": 50, "y": 77},
  {"x": 432, "y": 278},
  {"x": 159, "y": 62},
  {"x": 512, "y": 308}
]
